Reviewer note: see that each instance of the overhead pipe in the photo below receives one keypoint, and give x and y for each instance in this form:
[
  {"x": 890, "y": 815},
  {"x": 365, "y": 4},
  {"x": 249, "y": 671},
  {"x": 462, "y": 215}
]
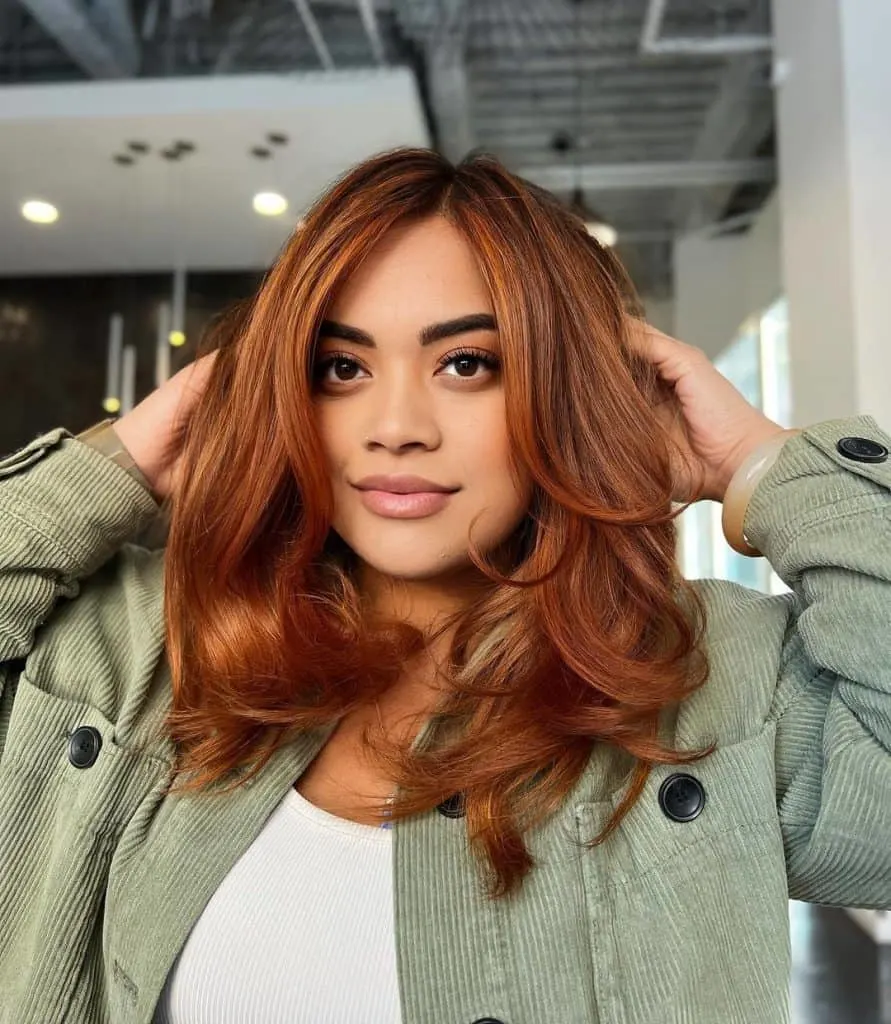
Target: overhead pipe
[
  {"x": 99, "y": 38},
  {"x": 372, "y": 30},
  {"x": 315, "y": 34},
  {"x": 667, "y": 174}
]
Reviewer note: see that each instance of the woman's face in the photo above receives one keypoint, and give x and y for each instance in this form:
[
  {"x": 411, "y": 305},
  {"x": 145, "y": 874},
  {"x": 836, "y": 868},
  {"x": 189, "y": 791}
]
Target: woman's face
[{"x": 396, "y": 397}]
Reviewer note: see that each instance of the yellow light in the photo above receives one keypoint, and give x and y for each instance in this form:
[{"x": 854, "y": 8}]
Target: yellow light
[
  {"x": 111, "y": 404},
  {"x": 176, "y": 338},
  {"x": 270, "y": 204},
  {"x": 39, "y": 212}
]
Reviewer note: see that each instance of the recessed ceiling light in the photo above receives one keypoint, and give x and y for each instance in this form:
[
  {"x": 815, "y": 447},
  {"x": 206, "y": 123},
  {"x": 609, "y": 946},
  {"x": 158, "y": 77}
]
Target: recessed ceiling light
[
  {"x": 39, "y": 212},
  {"x": 606, "y": 234},
  {"x": 270, "y": 204}
]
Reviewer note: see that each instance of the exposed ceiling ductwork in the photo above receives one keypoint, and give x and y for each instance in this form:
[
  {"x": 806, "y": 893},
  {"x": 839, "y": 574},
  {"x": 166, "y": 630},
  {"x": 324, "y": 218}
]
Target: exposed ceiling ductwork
[
  {"x": 100, "y": 39},
  {"x": 667, "y": 104}
]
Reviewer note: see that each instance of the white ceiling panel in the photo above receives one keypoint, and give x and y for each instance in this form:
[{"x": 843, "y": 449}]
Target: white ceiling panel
[{"x": 58, "y": 143}]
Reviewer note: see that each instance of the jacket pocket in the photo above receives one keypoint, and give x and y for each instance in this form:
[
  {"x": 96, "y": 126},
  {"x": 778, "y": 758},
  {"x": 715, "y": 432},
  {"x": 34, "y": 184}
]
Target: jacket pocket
[
  {"x": 687, "y": 905},
  {"x": 66, "y": 791}
]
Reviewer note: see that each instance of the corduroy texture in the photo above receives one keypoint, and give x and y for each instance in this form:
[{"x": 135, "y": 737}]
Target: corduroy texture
[{"x": 668, "y": 922}]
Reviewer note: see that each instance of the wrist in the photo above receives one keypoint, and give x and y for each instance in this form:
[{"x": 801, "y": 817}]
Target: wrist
[
  {"x": 762, "y": 435},
  {"x": 105, "y": 438},
  {"x": 748, "y": 473}
]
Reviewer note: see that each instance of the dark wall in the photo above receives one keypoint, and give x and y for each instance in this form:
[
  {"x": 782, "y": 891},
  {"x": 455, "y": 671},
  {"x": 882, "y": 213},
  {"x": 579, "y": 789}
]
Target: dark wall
[{"x": 54, "y": 342}]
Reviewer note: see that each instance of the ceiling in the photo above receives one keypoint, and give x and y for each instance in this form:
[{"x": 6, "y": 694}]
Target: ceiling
[
  {"x": 661, "y": 109},
  {"x": 60, "y": 144}
]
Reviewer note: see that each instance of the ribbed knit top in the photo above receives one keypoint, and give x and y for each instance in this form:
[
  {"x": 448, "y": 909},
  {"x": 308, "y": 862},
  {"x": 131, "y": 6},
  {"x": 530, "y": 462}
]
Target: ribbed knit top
[{"x": 300, "y": 931}]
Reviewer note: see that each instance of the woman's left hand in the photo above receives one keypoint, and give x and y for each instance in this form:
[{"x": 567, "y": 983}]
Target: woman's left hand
[{"x": 710, "y": 421}]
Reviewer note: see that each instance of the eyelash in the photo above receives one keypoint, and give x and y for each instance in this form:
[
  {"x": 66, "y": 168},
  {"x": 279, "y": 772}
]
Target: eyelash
[{"x": 490, "y": 362}]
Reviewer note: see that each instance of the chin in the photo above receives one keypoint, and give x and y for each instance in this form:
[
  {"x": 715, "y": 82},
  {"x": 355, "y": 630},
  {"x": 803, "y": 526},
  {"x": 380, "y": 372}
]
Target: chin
[{"x": 412, "y": 564}]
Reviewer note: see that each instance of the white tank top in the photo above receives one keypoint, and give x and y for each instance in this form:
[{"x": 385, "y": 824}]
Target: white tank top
[{"x": 300, "y": 931}]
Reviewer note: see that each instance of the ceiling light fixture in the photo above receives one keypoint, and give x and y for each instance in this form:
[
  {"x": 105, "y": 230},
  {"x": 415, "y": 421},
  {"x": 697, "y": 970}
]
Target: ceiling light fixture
[
  {"x": 597, "y": 227},
  {"x": 270, "y": 204},
  {"x": 39, "y": 212},
  {"x": 606, "y": 234},
  {"x": 564, "y": 143}
]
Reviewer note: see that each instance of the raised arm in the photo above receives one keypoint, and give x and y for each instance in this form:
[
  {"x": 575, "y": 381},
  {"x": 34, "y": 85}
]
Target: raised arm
[
  {"x": 822, "y": 517},
  {"x": 65, "y": 509}
]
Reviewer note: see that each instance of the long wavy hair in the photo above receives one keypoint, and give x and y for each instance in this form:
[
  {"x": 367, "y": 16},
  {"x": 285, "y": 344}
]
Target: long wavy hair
[{"x": 585, "y": 630}]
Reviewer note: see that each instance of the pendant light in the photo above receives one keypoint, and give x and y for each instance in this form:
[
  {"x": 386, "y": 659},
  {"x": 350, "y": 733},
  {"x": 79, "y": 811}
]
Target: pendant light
[
  {"x": 605, "y": 233},
  {"x": 597, "y": 226}
]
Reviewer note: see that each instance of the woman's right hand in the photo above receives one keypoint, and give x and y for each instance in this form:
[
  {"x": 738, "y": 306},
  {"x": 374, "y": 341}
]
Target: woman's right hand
[{"x": 152, "y": 431}]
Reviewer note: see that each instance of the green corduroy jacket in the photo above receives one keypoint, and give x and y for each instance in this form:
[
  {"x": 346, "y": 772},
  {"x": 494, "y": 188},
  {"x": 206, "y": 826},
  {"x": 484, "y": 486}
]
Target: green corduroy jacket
[{"x": 670, "y": 920}]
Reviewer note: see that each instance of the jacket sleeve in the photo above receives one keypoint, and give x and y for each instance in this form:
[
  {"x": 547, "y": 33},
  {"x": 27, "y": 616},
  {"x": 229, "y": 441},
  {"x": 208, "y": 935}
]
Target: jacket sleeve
[
  {"x": 65, "y": 509},
  {"x": 822, "y": 517}
]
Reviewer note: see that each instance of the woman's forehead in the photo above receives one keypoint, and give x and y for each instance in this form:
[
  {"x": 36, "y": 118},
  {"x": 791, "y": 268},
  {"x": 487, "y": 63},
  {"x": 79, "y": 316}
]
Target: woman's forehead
[{"x": 426, "y": 270}]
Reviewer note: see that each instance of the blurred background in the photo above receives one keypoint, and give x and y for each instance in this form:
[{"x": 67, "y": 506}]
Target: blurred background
[{"x": 156, "y": 154}]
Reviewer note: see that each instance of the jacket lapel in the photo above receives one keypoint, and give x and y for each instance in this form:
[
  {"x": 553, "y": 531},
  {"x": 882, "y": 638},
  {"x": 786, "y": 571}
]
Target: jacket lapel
[{"x": 190, "y": 846}]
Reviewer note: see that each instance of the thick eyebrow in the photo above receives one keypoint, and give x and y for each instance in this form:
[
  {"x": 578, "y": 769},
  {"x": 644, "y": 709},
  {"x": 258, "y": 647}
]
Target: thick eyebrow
[{"x": 428, "y": 335}]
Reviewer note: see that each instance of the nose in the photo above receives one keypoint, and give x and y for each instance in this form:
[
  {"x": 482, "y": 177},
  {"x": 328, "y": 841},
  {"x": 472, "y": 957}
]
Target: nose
[{"x": 401, "y": 415}]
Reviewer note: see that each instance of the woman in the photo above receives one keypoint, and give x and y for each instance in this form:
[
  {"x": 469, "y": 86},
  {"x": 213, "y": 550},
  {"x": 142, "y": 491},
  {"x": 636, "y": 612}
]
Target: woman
[{"x": 602, "y": 782}]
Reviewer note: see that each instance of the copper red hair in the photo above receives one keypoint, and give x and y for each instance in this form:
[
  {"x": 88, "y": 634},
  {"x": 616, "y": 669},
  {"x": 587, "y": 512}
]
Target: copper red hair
[{"x": 586, "y": 630}]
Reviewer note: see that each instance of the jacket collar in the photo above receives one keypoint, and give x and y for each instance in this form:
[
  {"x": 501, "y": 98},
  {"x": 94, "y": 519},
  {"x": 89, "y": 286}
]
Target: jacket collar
[{"x": 190, "y": 846}]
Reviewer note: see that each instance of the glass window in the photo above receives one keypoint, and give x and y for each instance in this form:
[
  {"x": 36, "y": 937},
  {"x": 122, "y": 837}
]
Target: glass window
[{"x": 757, "y": 364}]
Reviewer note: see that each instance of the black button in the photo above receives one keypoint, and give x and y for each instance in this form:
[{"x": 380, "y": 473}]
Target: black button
[
  {"x": 861, "y": 449},
  {"x": 84, "y": 745},
  {"x": 453, "y": 807},
  {"x": 488, "y": 1020},
  {"x": 681, "y": 797}
]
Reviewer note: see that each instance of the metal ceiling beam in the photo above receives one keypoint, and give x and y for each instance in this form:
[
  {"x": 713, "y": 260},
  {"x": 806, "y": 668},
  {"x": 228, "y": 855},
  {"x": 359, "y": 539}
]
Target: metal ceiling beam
[
  {"x": 680, "y": 174},
  {"x": 738, "y": 119},
  {"x": 102, "y": 39},
  {"x": 640, "y": 140},
  {"x": 533, "y": 62},
  {"x": 655, "y": 92},
  {"x": 531, "y": 152},
  {"x": 447, "y": 80},
  {"x": 514, "y": 122},
  {"x": 315, "y": 34},
  {"x": 652, "y": 43},
  {"x": 235, "y": 38},
  {"x": 607, "y": 103},
  {"x": 590, "y": 39},
  {"x": 369, "y": 21}
]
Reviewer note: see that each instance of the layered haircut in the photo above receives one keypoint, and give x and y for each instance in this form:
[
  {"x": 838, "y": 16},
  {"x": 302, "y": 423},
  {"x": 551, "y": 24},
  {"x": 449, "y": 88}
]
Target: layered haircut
[{"x": 584, "y": 633}]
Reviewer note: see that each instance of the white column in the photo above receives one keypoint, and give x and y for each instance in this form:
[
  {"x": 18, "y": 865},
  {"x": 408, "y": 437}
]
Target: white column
[
  {"x": 833, "y": 95},
  {"x": 834, "y": 141},
  {"x": 719, "y": 282}
]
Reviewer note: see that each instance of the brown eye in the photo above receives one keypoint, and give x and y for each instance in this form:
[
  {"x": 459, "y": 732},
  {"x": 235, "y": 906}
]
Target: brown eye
[
  {"x": 466, "y": 365},
  {"x": 467, "y": 362},
  {"x": 344, "y": 370}
]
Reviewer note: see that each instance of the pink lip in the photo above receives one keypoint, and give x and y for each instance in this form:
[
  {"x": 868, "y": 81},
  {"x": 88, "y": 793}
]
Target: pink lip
[
  {"x": 415, "y": 505},
  {"x": 400, "y": 483}
]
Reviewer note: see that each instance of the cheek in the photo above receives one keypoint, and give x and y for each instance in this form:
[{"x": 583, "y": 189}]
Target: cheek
[
  {"x": 487, "y": 449},
  {"x": 480, "y": 434},
  {"x": 334, "y": 438}
]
